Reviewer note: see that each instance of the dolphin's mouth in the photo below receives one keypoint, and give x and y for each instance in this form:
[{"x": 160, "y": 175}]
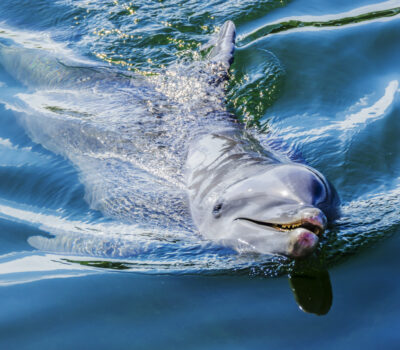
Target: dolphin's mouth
[{"x": 310, "y": 225}]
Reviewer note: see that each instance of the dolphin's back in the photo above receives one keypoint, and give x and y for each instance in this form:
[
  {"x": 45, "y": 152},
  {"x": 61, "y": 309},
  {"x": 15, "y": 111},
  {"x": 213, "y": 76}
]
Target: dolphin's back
[
  {"x": 127, "y": 134},
  {"x": 37, "y": 68}
]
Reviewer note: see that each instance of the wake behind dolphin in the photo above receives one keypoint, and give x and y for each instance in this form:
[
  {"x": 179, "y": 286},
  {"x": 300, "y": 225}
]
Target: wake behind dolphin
[{"x": 156, "y": 137}]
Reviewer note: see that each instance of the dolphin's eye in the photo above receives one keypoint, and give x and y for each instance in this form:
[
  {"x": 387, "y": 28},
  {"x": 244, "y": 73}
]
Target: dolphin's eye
[{"x": 217, "y": 210}]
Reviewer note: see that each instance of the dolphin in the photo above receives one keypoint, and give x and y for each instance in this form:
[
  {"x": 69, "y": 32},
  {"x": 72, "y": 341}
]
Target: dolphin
[
  {"x": 247, "y": 197},
  {"x": 160, "y": 149}
]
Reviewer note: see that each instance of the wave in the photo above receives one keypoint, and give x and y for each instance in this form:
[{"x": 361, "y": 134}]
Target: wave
[{"x": 358, "y": 16}]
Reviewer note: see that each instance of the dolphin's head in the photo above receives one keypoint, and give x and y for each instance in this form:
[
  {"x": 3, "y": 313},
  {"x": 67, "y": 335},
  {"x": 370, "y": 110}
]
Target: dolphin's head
[{"x": 282, "y": 210}]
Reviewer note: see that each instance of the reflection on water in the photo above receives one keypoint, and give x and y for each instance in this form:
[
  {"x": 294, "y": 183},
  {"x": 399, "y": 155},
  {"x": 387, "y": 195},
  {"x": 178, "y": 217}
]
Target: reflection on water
[
  {"x": 22, "y": 268},
  {"x": 367, "y": 13},
  {"x": 311, "y": 286},
  {"x": 312, "y": 290},
  {"x": 112, "y": 265}
]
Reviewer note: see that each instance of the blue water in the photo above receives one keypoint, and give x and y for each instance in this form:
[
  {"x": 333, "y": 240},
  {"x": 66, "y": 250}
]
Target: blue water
[{"x": 97, "y": 246}]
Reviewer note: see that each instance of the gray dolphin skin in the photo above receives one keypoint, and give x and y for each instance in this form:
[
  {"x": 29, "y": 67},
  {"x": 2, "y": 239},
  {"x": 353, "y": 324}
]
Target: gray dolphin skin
[
  {"x": 246, "y": 197},
  {"x": 144, "y": 146}
]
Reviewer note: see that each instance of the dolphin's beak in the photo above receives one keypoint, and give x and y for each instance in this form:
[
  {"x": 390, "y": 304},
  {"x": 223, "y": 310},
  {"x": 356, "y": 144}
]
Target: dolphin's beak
[
  {"x": 304, "y": 239},
  {"x": 314, "y": 217},
  {"x": 309, "y": 218},
  {"x": 295, "y": 237}
]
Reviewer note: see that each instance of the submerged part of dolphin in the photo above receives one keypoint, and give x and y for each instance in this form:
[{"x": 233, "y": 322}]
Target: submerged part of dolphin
[
  {"x": 140, "y": 142},
  {"x": 245, "y": 196}
]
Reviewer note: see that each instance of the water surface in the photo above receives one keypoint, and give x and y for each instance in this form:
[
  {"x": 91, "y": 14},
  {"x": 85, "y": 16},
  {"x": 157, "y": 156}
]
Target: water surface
[{"x": 98, "y": 247}]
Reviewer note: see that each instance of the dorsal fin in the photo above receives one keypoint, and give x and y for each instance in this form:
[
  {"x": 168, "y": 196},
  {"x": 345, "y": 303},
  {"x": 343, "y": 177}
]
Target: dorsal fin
[{"x": 222, "y": 53}]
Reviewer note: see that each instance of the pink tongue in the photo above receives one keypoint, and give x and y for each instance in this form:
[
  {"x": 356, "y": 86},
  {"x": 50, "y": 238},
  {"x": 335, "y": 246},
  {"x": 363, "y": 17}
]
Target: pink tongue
[
  {"x": 305, "y": 244},
  {"x": 307, "y": 239}
]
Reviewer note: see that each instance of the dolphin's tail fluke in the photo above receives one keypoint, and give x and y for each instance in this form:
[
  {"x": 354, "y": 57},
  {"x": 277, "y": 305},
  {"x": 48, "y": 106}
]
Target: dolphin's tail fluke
[{"x": 221, "y": 56}]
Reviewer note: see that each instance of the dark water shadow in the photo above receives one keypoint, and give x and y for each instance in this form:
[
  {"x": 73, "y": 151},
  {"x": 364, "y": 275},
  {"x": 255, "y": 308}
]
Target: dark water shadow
[{"x": 312, "y": 291}]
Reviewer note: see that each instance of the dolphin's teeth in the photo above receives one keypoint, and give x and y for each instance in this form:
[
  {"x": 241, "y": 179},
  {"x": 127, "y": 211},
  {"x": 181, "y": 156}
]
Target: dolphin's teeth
[{"x": 286, "y": 227}]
